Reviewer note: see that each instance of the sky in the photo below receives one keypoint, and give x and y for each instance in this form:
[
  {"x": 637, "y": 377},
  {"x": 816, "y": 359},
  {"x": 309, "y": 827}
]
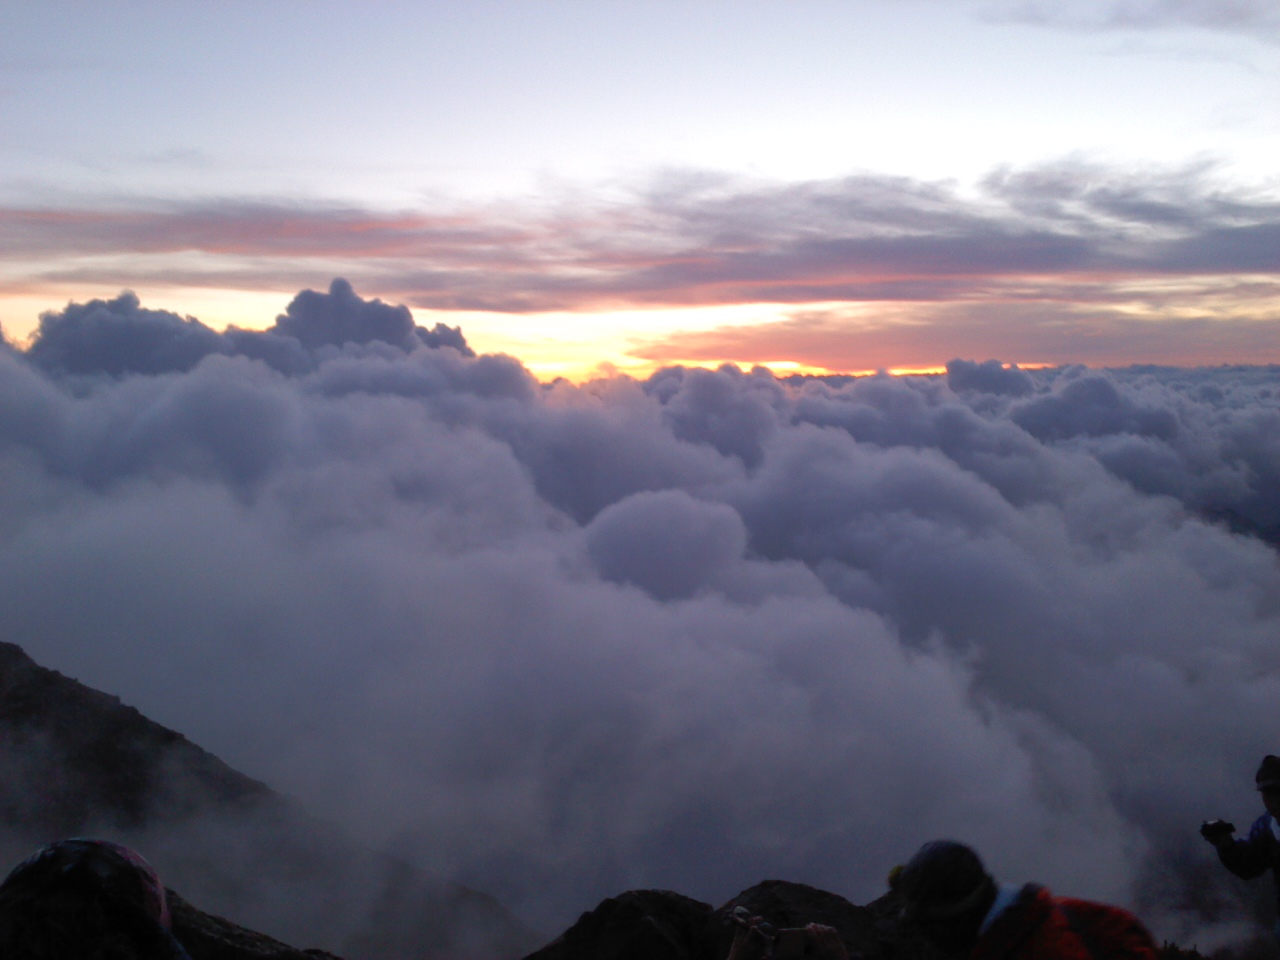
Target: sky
[
  {"x": 396, "y": 402},
  {"x": 811, "y": 185}
]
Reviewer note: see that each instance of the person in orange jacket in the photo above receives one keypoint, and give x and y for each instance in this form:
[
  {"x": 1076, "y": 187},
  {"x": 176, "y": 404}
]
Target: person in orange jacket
[{"x": 950, "y": 897}]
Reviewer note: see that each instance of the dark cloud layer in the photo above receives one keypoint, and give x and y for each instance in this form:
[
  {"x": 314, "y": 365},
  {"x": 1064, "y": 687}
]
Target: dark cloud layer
[
  {"x": 690, "y": 632},
  {"x": 702, "y": 239}
]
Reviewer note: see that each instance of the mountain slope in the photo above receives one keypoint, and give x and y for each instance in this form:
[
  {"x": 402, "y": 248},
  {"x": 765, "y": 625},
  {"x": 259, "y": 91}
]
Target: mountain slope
[{"x": 76, "y": 761}]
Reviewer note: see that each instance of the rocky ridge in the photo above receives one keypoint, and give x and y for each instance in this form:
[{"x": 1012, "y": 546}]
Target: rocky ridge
[{"x": 77, "y": 761}]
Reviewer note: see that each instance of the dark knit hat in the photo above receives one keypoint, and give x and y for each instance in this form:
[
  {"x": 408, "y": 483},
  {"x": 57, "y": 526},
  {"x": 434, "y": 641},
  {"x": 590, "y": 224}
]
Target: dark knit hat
[
  {"x": 85, "y": 898},
  {"x": 1268, "y": 775},
  {"x": 118, "y": 871},
  {"x": 944, "y": 880}
]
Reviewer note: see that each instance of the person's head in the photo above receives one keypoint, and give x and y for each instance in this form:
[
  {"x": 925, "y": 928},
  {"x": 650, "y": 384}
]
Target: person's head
[
  {"x": 1268, "y": 781},
  {"x": 946, "y": 892}
]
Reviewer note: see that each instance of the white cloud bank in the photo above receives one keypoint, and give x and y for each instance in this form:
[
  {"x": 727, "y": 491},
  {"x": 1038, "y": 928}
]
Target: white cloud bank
[{"x": 692, "y": 632}]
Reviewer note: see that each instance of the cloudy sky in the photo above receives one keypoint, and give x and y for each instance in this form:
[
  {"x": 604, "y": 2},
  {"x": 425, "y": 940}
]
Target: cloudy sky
[
  {"x": 829, "y": 184},
  {"x": 285, "y": 465}
]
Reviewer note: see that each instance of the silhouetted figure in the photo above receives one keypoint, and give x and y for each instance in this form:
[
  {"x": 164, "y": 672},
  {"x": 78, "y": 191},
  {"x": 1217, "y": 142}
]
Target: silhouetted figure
[
  {"x": 1260, "y": 850},
  {"x": 949, "y": 896},
  {"x": 85, "y": 900}
]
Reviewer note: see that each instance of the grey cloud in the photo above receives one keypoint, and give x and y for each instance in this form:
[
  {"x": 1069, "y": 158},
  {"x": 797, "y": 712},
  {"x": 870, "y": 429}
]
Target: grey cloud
[
  {"x": 1092, "y": 406},
  {"x": 590, "y": 447},
  {"x": 1256, "y": 17},
  {"x": 665, "y": 542},
  {"x": 282, "y": 353},
  {"x": 1208, "y": 442},
  {"x": 118, "y": 337},
  {"x": 560, "y": 640},
  {"x": 733, "y": 412},
  {"x": 237, "y": 227},
  {"x": 340, "y": 316},
  {"x": 694, "y": 240},
  {"x": 991, "y": 376}
]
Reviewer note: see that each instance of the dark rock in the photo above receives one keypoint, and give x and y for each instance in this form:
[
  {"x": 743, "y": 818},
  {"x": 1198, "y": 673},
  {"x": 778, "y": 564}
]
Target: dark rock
[
  {"x": 71, "y": 756},
  {"x": 639, "y": 925},
  {"x": 663, "y": 925},
  {"x": 76, "y": 761},
  {"x": 872, "y": 932},
  {"x": 206, "y": 937}
]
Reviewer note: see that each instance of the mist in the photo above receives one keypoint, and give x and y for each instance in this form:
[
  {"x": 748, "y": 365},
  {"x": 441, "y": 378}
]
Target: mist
[{"x": 559, "y": 641}]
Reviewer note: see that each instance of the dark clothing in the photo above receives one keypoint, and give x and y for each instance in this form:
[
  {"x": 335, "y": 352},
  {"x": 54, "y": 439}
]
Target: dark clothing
[
  {"x": 1255, "y": 854},
  {"x": 1040, "y": 926}
]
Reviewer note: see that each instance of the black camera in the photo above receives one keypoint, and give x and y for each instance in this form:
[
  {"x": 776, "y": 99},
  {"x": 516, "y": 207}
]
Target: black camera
[{"x": 1213, "y": 830}]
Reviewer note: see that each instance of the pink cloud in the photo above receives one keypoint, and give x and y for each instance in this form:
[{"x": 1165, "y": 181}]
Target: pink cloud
[
  {"x": 1057, "y": 257},
  {"x": 927, "y": 337}
]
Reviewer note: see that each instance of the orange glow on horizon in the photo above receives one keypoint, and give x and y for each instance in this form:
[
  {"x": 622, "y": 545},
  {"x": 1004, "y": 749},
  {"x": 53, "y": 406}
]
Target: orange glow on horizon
[
  {"x": 779, "y": 368},
  {"x": 846, "y": 338}
]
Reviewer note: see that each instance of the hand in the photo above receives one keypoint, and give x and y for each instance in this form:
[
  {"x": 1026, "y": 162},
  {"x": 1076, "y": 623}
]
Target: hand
[
  {"x": 1217, "y": 832},
  {"x": 749, "y": 941},
  {"x": 827, "y": 944}
]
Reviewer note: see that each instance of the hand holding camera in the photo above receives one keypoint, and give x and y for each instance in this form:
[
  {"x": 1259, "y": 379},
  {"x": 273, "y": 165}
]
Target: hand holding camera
[
  {"x": 1217, "y": 832},
  {"x": 757, "y": 939}
]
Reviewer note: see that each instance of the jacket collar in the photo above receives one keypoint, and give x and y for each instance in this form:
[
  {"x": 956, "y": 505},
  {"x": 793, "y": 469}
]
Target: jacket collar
[{"x": 1015, "y": 924}]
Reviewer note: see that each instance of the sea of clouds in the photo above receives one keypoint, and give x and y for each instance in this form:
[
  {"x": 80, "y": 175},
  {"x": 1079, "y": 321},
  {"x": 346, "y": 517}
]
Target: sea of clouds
[{"x": 558, "y": 641}]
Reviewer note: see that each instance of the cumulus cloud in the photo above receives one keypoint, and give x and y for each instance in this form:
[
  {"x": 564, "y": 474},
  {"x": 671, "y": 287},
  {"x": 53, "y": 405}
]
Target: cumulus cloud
[
  {"x": 990, "y": 376},
  {"x": 665, "y": 542},
  {"x": 561, "y": 640},
  {"x": 340, "y": 317},
  {"x": 117, "y": 337}
]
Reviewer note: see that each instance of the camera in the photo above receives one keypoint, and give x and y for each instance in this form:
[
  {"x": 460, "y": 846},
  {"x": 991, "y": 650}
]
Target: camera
[
  {"x": 785, "y": 943},
  {"x": 1213, "y": 830},
  {"x": 791, "y": 943}
]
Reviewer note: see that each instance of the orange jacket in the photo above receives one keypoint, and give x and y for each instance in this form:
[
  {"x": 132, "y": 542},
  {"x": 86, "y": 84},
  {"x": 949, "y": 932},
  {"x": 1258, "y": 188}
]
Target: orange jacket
[{"x": 1040, "y": 926}]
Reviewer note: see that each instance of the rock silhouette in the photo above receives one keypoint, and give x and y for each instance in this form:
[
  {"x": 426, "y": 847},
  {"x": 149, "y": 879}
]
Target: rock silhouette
[
  {"x": 663, "y": 925},
  {"x": 76, "y": 761},
  {"x": 207, "y": 937}
]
